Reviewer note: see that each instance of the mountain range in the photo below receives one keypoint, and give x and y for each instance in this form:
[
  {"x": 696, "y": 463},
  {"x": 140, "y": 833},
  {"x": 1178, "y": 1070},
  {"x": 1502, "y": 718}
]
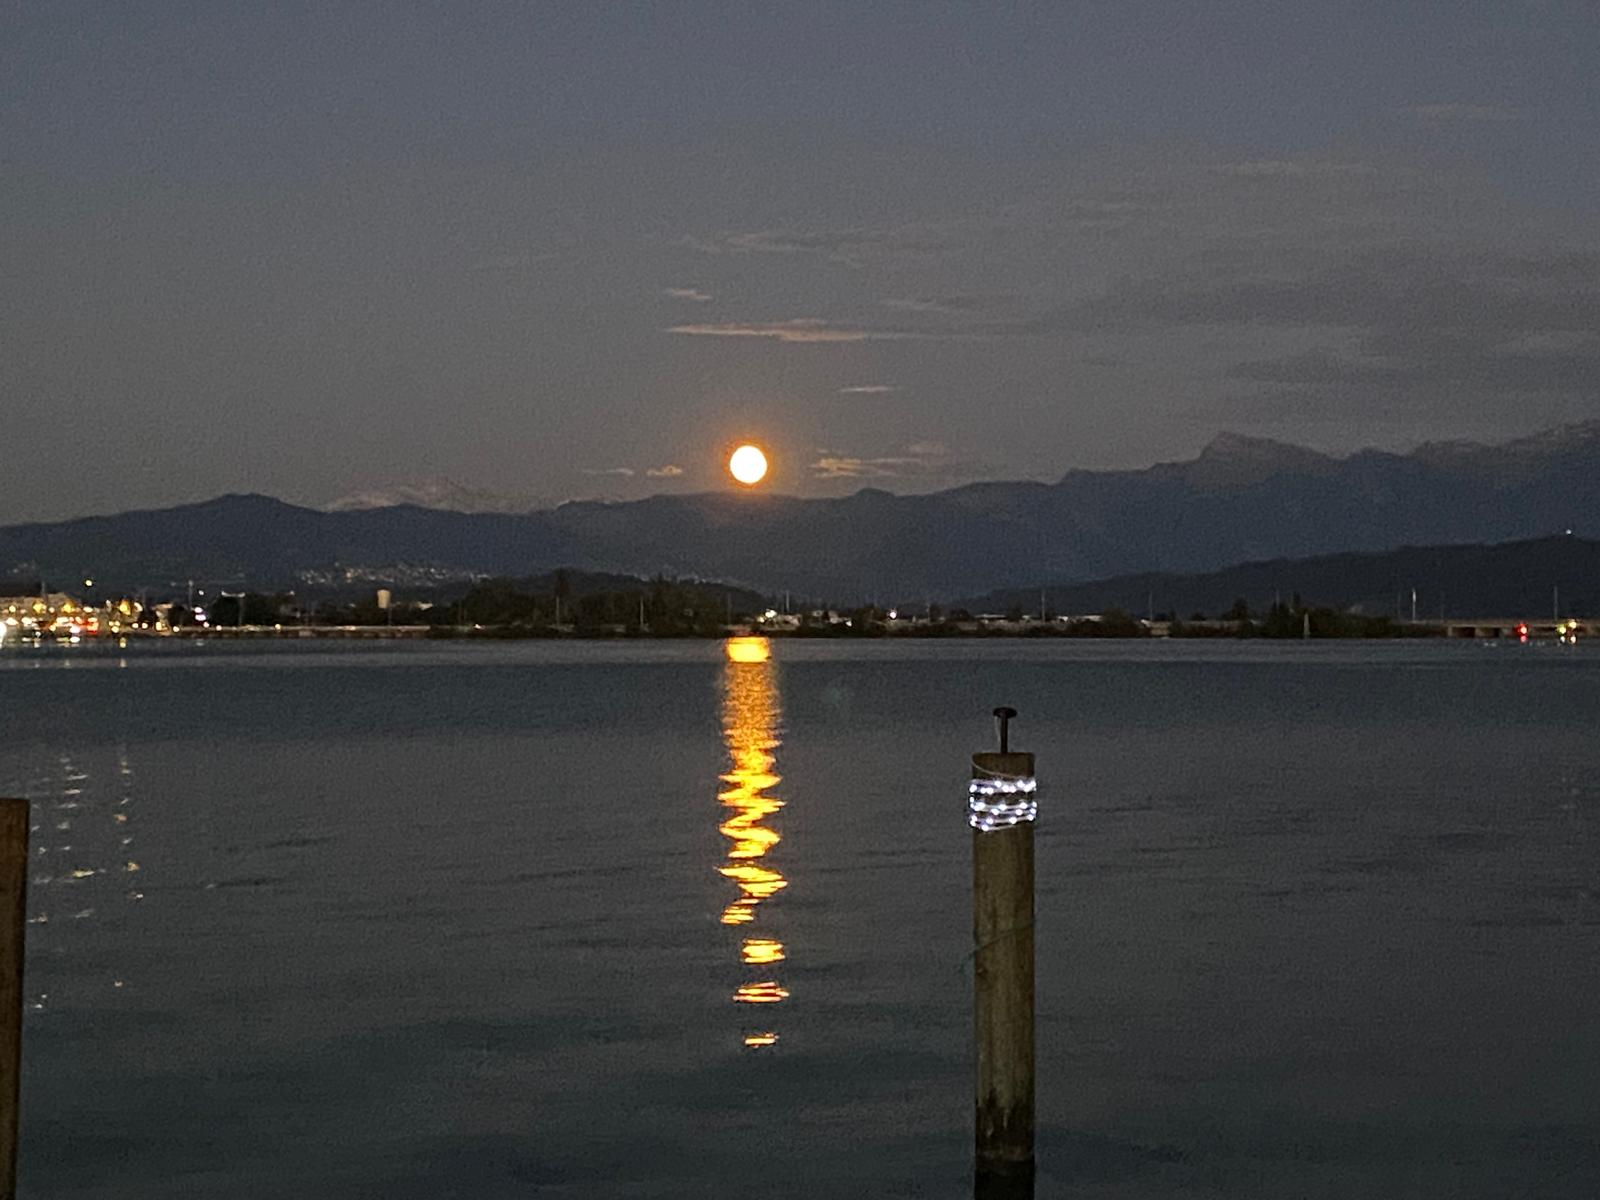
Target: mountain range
[{"x": 1240, "y": 499}]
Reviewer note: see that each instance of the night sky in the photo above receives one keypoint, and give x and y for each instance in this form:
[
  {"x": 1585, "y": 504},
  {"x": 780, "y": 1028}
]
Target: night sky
[{"x": 555, "y": 251}]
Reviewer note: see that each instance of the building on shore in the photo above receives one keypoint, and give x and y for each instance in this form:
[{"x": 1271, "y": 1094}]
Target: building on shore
[{"x": 57, "y": 614}]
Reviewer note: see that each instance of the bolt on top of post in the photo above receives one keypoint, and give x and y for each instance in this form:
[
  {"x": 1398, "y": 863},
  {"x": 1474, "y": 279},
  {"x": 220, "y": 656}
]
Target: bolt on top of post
[{"x": 1004, "y": 714}]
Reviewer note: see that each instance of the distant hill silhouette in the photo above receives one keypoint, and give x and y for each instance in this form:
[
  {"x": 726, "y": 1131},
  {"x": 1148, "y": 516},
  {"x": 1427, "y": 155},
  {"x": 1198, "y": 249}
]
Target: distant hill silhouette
[
  {"x": 267, "y": 543},
  {"x": 1240, "y": 499},
  {"x": 1512, "y": 579}
]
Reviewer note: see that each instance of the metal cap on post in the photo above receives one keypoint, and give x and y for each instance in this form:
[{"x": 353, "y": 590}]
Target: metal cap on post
[
  {"x": 1003, "y": 715},
  {"x": 1001, "y": 809}
]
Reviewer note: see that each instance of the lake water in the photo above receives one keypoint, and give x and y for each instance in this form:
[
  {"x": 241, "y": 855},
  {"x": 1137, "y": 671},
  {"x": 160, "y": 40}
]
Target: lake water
[{"x": 471, "y": 920}]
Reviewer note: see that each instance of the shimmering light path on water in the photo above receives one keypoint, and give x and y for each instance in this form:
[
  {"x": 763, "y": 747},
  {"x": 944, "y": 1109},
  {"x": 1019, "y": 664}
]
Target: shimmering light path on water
[
  {"x": 751, "y": 717},
  {"x": 428, "y": 921}
]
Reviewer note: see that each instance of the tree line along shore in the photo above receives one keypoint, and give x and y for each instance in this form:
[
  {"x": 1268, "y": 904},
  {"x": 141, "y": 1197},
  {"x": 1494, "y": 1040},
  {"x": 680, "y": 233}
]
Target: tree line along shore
[{"x": 664, "y": 608}]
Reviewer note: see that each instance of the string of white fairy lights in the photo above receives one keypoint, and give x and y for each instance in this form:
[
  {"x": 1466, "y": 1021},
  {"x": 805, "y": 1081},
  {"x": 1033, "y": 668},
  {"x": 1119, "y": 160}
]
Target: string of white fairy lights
[{"x": 1001, "y": 801}]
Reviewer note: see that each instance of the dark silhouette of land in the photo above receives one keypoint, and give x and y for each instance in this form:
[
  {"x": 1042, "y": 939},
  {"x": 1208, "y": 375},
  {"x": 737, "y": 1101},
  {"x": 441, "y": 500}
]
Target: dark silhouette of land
[{"x": 1528, "y": 578}]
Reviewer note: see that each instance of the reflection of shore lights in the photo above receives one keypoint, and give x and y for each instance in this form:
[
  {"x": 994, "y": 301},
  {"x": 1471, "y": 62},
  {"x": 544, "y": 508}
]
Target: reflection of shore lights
[{"x": 760, "y": 1039}]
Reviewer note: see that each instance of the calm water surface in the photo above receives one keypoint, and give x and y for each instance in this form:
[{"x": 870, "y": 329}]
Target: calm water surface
[{"x": 659, "y": 920}]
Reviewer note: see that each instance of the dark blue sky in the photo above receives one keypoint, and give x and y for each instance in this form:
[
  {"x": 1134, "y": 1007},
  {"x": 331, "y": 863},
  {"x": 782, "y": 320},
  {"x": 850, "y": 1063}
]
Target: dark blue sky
[{"x": 548, "y": 250}]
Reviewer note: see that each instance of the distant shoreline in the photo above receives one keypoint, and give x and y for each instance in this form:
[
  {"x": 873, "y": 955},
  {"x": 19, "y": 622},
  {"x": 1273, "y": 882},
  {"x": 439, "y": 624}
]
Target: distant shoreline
[{"x": 1034, "y": 630}]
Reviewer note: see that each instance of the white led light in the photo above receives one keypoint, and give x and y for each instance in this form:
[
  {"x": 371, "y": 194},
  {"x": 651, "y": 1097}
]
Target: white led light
[{"x": 1002, "y": 802}]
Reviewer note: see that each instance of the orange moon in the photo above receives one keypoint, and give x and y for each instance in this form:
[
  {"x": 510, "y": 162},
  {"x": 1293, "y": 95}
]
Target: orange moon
[{"x": 748, "y": 465}]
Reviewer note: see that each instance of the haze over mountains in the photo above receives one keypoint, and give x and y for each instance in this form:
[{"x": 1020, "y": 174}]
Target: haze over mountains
[
  {"x": 1240, "y": 499},
  {"x": 437, "y": 492}
]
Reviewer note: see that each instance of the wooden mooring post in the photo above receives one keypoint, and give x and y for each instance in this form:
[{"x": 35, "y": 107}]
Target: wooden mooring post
[
  {"x": 1001, "y": 807},
  {"x": 13, "y": 928}
]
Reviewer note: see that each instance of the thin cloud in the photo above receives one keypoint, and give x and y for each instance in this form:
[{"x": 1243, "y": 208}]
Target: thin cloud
[
  {"x": 1450, "y": 114},
  {"x": 799, "y": 330},
  {"x": 625, "y": 472},
  {"x": 831, "y": 466},
  {"x": 1557, "y": 342},
  {"x": 511, "y": 262},
  {"x": 919, "y": 458},
  {"x": 869, "y": 389},
  {"x": 851, "y": 247},
  {"x": 694, "y": 295},
  {"x": 670, "y": 471},
  {"x": 950, "y": 305},
  {"x": 1294, "y": 168},
  {"x": 1438, "y": 323}
]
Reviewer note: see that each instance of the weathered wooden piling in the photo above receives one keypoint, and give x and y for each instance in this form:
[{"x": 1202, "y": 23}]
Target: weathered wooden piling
[
  {"x": 1001, "y": 810},
  {"x": 13, "y": 927}
]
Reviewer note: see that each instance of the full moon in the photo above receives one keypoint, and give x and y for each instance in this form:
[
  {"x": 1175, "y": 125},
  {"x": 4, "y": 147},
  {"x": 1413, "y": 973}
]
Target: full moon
[{"x": 748, "y": 465}]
